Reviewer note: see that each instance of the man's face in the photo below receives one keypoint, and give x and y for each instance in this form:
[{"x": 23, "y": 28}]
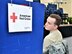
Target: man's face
[{"x": 50, "y": 24}]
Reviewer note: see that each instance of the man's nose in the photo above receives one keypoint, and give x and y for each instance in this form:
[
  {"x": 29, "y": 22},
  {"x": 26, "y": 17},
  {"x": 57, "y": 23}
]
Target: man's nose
[{"x": 46, "y": 23}]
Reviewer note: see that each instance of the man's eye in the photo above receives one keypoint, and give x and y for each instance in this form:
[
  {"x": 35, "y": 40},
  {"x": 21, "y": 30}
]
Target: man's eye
[{"x": 49, "y": 23}]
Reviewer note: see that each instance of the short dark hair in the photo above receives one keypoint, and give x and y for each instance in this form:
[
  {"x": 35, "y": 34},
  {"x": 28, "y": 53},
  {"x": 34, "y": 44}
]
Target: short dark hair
[{"x": 57, "y": 17}]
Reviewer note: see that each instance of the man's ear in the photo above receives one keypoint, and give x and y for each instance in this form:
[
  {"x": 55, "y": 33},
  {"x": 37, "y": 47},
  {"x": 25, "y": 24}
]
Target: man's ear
[{"x": 56, "y": 26}]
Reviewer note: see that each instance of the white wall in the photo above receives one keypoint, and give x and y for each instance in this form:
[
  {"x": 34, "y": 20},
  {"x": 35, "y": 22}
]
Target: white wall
[{"x": 66, "y": 7}]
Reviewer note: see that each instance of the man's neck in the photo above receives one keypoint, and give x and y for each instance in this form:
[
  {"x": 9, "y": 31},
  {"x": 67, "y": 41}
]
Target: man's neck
[{"x": 54, "y": 30}]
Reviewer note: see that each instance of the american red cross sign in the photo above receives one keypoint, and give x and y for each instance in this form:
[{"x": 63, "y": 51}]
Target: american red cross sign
[{"x": 19, "y": 18}]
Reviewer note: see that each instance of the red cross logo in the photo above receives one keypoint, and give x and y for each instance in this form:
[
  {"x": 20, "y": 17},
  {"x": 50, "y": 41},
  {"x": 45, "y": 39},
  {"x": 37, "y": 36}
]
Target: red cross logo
[{"x": 13, "y": 17}]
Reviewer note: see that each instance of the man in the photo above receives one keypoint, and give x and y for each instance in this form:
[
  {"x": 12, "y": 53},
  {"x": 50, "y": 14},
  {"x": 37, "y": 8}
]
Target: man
[{"x": 53, "y": 22}]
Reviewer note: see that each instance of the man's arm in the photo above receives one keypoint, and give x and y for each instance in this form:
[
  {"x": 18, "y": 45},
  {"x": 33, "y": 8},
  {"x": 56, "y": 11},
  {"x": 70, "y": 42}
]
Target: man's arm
[{"x": 46, "y": 43}]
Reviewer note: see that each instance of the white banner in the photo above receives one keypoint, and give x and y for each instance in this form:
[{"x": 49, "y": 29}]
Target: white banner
[
  {"x": 19, "y": 18},
  {"x": 30, "y": 0}
]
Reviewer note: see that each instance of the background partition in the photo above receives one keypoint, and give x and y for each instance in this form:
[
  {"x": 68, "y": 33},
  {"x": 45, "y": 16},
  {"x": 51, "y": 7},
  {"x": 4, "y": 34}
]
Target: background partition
[{"x": 22, "y": 42}]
